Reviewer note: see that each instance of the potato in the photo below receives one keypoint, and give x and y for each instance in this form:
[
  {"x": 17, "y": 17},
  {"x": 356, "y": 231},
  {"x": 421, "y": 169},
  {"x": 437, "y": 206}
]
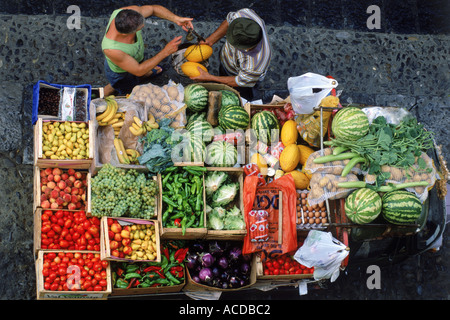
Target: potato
[{"x": 172, "y": 92}]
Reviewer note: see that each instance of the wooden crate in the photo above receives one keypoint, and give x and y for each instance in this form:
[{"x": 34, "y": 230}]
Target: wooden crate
[
  {"x": 43, "y": 294},
  {"x": 249, "y": 107},
  {"x": 237, "y": 175},
  {"x": 176, "y": 233},
  {"x": 105, "y": 250},
  {"x": 38, "y": 189},
  {"x": 53, "y": 163}
]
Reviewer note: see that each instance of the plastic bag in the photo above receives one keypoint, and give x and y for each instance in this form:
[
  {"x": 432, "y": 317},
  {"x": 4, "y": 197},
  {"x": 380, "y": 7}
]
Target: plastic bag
[
  {"x": 323, "y": 186},
  {"x": 163, "y": 102},
  {"x": 308, "y": 90},
  {"x": 323, "y": 252},
  {"x": 393, "y": 115},
  {"x": 282, "y": 232}
]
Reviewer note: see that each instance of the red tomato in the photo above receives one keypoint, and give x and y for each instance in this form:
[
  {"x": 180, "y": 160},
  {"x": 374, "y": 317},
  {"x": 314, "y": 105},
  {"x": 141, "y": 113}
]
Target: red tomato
[
  {"x": 59, "y": 214},
  {"x": 98, "y": 288}
]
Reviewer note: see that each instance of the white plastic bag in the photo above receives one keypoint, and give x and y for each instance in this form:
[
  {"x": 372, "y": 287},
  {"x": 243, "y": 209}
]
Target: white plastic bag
[
  {"x": 323, "y": 252},
  {"x": 303, "y": 98}
]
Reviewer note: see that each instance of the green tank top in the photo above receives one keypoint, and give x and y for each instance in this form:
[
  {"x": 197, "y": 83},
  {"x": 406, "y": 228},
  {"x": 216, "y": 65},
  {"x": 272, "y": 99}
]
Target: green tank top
[{"x": 136, "y": 50}]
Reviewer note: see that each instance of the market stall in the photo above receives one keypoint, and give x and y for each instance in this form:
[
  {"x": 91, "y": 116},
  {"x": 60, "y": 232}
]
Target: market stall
[{"x": 179, "y": 189}]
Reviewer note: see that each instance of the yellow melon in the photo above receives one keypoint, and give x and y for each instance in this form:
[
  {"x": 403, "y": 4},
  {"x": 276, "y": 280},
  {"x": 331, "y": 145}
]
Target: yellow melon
[
  {"x": 300, "y": 179},
  {"x": 260, "y": 162},
  {"x": 289, "y": 157},
  {"x": 198, "y": 52},
  {"x": 305, "y": 152},
  {"x": 289, "y": 133},
  {"x": 190, "y": 68}
]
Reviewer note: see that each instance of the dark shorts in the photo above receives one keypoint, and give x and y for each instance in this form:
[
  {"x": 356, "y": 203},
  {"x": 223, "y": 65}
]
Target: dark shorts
[
  {"x": 248, "y": 93},
  {"x": 122, "y": 82}
]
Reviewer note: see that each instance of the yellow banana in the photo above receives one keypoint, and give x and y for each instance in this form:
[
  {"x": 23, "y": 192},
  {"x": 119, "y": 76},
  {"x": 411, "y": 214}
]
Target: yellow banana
[
  {"x": 123, "y": 158},
  {"x": 136, "y": 126},
  {"x": 136, "y": 132},
  {"x": 137, "y": 121},
  {"x": 122, "y": 147},
  {"x": 151, "y": 118},
  {"x": 113, "y": 121},
  {"x": 108, "y": 109},
  {"x": 153, "y": 125},
  {"x": 118, "y": 124}
]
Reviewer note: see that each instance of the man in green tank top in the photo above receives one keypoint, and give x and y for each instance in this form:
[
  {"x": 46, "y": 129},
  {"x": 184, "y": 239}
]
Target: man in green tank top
[{"x": 123, "y": 46}]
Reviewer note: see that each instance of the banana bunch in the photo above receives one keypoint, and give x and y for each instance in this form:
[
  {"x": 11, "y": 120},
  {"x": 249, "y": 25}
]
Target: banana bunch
[
  {"x": 133, "y": 155},
  {"x": 121, "y": 152},
  {"x": 108, "y": 117},
  {"x": 117, "y": 125},
  {"x": 139, "y": 127}
]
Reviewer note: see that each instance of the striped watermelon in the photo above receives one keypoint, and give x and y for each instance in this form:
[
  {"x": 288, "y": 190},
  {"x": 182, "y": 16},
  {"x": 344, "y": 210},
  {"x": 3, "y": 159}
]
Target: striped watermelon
[
  {"x": 233, "y": 117},
  {"x": 229, "y": 99},
  {"x": 193, "y": 148},
  {"x": 221, "y": 154},
  {"x": 196, "y": 116},
  {"x": 363, "y": 206},
  {"x": 401, "y": 207},
  {"x": 196, "y": 97},
  {"x": 263, "y": 124},
  {"x": 350, "y": 123},
  {"x": 202, "y": 128}
]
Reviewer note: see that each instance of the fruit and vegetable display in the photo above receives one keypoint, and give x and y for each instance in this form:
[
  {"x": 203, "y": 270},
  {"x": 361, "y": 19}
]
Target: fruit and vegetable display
[
  {"x": 186, "y": 174},
  {"x": 169, "y": 272},
  {"x": 69, "y": 230},
  {"x": 63, "y": 188},
  {"x": 89, "y": 272},
  {"x": 117, "y": 192},
  {"x": 219, "y": 264},
  {"x": 182, "y": 197},
  {"x": 134, "y": 241}
]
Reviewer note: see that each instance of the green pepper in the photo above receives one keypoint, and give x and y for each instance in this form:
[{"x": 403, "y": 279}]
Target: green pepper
[
  {"x": 191, "y": 221},
  {"x": 168, "y": 201},
  {"x": 171, "y": 278},
  {"x": 183, "y": 225},
  {"x": 199, "y": 202},
  {"x": 122, "y": 284},
  {"x": 131, "y": 268},
  {"x": 166, "y": 177},
  {"x": 132, "y": 275},
  {"x": 170, "y": 169},
  {"x": 177, "y": 215}
]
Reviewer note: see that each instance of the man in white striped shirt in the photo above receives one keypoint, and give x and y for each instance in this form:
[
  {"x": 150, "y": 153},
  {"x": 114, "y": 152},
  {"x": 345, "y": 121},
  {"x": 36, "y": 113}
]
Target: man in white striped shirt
[{"x": 245, "y": 56}]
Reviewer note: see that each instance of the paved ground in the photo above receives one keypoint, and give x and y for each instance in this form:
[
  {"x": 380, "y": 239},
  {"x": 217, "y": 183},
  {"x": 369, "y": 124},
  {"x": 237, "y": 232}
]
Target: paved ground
[{"x": 404, "y": 63}]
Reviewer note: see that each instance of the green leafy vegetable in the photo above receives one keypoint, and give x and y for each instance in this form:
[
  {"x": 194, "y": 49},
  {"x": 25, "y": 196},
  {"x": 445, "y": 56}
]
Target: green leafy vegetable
[
  {"x": 234, "y": 222},
  {"x": 213, "y": 180},
  {"x": 214, "y": 222},
  {"x": 225, "y": 194}
]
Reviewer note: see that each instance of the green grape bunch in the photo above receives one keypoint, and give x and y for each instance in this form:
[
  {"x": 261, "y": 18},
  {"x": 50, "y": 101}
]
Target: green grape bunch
[{"x": 117, "y": 192}]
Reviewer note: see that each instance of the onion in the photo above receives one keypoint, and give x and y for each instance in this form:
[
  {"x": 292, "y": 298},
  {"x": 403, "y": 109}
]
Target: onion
[
  {"x": 235, "y": 253},
  {"x": 207, "y": 259},
  {"x": 205, "y": 275},
  {"x": 191, "y": 261},
  {"x": 223, "y": 262}
]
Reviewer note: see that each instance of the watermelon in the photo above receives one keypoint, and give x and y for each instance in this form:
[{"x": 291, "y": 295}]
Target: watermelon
[
  {"x": 363, "y": 206},
  {"x": 221, "y": 154},
  {"x": 229, "y": 98},
  {"x": 196, "y": 97},
  {"x": 263, "y": 124},
  {"x": 202, "y": 128},
  {"x": 196, "y": 116},
  {"x": 350, "y": 123},
  {"x": 234, "y": 117},
  {"x": 193, "y": 148},
  {"x": 401, "y": 207}
]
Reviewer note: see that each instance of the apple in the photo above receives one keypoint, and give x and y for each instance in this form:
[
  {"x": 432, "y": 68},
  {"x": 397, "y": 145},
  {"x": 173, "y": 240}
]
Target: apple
[
  {"x": 126, "y": 242},
  {"x": 42, "y": 174},
  {"x": 54, "y": 194},
  {"x": 54, "y": 205},
  {"x": 50, "y": 177},
  {"x": 71, "y": 172},
  {"x": 44, "y": 180},
  {"x": 115, "y": 253},
  {"x": 74, "y": 191},
  {"x": 62, "y": 185},
  {"x": 78, "y": 184},
  {"x": 43, "y": 197},
  {"x": 48, "y": 171},
  {"x": 71, "y": 178},
  {"x": 71, "y": 206},
  {"x": 45, "y": 204},
  {"x": 116, "y": 227},
  {"x": 51, "y": 184},
  {"x": 125, "y": 234},
  {"x": 127, "y": 250},
  {"x": 57, "y": 178},
  {"x": 114, "y": 245},
  {"x": 64, "y": 176},
  {"x": 59, "y": 201},
  {"x": 78, "y": 175},
  {"x": 47, "y": 190},
  {"x": 111, "y": 235},
  {"x": 69, "y": 183},
  {"x": 57, "y": 171},
  {"x": 67, "y": 198},
  {"x": 67, "y": 190},
  {"x": 117, "y": 237}
]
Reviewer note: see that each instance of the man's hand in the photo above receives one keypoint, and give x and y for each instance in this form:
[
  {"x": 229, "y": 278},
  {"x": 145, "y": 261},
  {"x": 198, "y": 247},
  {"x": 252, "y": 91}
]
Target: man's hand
[
  {"x": 172, "y": 46},
  {"x": 185, "y": 23},
  {"x": 203, "y": 76}
]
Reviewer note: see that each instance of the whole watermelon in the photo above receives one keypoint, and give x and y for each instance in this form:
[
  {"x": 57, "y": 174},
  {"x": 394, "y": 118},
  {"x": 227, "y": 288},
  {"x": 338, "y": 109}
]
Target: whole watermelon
[
  {"x": 233, "y": 117},
  {"x": 401, "y": 207},
  {"x": 350, "y": 123},
  {"x": 229, "y": 98},
  {"x": 202, "y": 128},
  {"x": 194, "y": 148},
  {"x": 363, "y": 206},
  {"x": 264, "y": 124},
  {"x": 196, "y": 97},
  {"x": 221, "y": 154}
]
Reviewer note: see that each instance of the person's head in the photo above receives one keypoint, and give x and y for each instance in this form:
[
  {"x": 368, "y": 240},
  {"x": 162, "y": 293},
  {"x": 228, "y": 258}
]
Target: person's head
[
  {"x": 129, "y": 21},
  {"x": 244, "y": 33}
]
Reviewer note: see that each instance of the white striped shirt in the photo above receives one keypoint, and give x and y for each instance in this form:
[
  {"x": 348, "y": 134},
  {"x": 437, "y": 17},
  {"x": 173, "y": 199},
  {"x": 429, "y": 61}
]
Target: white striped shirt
[{"x": 249, "y": 67}]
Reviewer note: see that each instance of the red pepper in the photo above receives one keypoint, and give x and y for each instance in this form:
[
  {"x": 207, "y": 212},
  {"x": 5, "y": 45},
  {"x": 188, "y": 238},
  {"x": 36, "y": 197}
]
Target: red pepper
[
  {"x": 119, "y": 272},
  {"x": 177, "y": 222},
  {"x": 132, "y": 281},
  {"x": 180, "y": 254},
  {"x": 166, "y": 253}
]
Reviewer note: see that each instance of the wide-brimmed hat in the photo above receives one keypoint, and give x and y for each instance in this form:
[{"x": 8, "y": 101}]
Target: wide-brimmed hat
[{"x": 244, "y": 33}]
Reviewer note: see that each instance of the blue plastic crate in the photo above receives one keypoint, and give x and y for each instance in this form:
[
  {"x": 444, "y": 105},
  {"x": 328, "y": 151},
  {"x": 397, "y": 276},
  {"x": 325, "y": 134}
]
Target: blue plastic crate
[{"x": 37, "y": 87}]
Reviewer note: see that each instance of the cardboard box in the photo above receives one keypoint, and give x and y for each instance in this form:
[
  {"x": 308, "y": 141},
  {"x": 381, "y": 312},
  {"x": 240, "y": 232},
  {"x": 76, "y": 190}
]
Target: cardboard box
[
  {"x": 46, "y": 162},
  {"x": 237, "y": 175},
  {"x": 105, "y": 249},
  {"x": 43, "y": 294}
]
